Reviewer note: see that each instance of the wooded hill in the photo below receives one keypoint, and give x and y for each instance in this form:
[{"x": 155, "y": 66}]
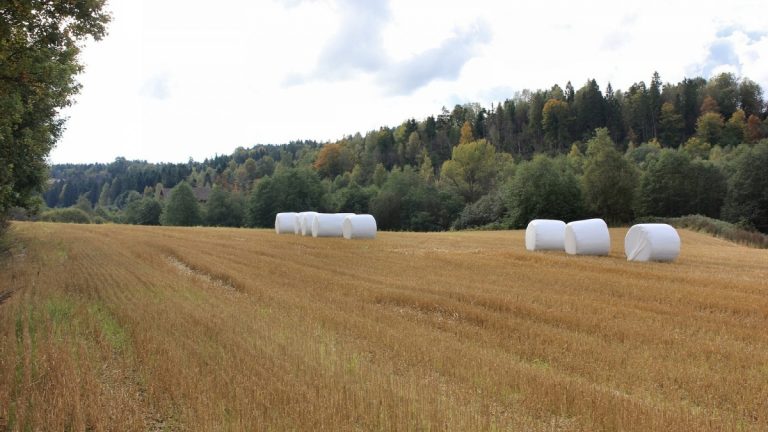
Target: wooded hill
[{"x": 694, "y": 147}]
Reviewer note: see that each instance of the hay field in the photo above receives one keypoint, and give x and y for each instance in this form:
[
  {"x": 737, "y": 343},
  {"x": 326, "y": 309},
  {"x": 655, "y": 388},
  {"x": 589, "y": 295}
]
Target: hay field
[{"x": 152, "y": 328}]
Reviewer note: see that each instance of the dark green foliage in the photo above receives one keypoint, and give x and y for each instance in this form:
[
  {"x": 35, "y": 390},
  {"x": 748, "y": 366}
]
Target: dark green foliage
[
  {"x": 181, "y": 208},
  {"x": 292, "y": 189},
  {"x": 145, "y": 211},
  {"x": 674, "y": 185},
  {"x": 747, "y": 200},
  {"x": 224, "y": 209},
  {"x": 487, "y": 210},
  {"x": 39, "y": 46},
  {"x": 407, "y": 202},
  {"x": 66, "y": 215},
  {"x": 544, "y": 188},
  {"x": 609, "y": 180},
  {"x": 355, "y": 199}
]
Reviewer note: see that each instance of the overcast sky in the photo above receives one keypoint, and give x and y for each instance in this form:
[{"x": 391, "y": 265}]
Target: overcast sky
[{"x": 176, "y": 79}]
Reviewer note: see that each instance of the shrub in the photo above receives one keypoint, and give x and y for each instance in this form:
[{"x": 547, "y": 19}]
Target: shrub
[{"x": 66, "y": 215}]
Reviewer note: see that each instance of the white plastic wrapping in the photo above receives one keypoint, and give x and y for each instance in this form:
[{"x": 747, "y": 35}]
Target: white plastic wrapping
[
  {"x": 305, "y": 223},
  {"x": 359, "y": 226},
  {"x": 587, "y": 237},
  {"x": 545, "y": 234},
  {"x": 652, "y": 242},
  {"x": 328, "y": 224},
  {"x": 285, "y": 223}
]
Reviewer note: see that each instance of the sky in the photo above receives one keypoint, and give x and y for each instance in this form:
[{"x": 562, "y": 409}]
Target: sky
[{"x": 180, "y": 79}]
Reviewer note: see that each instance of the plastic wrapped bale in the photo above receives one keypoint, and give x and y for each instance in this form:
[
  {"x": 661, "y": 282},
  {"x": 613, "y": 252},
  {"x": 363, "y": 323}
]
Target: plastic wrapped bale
[
  {"x": 652, "y": 242},
  {"x": 305, "y": 223},
  {"x": 285, "y": 223},
  {"x": 328, "y": 224},
  {"x": 359, "y": 227},
  {"x": 587, "y": 237},
  {"x": 545, "y": 234}
]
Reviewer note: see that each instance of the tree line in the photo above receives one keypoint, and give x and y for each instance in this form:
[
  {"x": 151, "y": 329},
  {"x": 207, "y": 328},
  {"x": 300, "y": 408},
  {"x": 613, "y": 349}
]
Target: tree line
[{"x": 695, "y": 147}]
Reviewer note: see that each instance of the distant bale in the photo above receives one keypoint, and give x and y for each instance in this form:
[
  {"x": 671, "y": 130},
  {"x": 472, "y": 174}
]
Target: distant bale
[
  {"x": 359, "y": 227},
  {"x": 545, "y": 234},
  {"x": 587, "y": 237},
  {"x": 652, "y": 242},
  {"x": 305, "y": 223},
  {"x": 285, "y": 223},
  {"x": 328, "y": 224}
]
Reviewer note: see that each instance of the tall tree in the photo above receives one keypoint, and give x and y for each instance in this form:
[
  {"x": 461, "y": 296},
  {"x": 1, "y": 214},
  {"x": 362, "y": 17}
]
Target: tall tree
[
  {"x": 709, "y": 127},
  {"x": 609, "y": 179},
  {"x": 671, "y": 126},
  {"x": 543, "y": 188},
  {"x": 753, "y": 131},
  {"x": 223, "y": 209},
  {"x": 556, "y": 124},
  {"x": 654, "y": 96},
  {"x": 747, "y": 200},
  {"x": 471, "y": 170},
  {"x": 181, "y": 209},
  {"x": 589, "y": 107},
  {"x": 40, "y": 41}
]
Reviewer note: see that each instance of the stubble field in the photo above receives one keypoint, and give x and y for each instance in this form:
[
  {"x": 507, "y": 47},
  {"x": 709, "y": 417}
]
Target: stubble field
[{"x": 150, "y": 328}]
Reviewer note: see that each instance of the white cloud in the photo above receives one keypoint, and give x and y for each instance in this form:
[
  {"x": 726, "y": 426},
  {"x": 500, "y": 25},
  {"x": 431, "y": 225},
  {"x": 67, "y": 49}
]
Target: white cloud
[{"x": 176, "y": 79}]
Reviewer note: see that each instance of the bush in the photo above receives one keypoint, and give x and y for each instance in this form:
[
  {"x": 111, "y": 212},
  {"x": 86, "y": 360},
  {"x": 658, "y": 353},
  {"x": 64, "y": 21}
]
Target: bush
[
  {"x": 408, "y": 202},
  {"x": 182, "y": 208},
  {"x": 747, "y": 200},
  {"x": 291, "y": 189},
  {"x": 674, "y": 185},
  {"x": 66, "y": 215},
  {"x": 543, "y": 188},
  {"x": 145, "y": 211},
  {"x": 718, "y": 228},
  {"x": 487, "y": 210}
]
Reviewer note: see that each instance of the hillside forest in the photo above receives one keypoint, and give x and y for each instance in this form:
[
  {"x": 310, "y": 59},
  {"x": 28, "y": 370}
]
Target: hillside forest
[{"x": 659, "y": 149}]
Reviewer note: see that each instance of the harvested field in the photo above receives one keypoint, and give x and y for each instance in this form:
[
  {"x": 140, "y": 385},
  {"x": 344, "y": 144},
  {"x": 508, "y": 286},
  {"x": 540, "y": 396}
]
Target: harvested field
[{"x": 111, "y": 327}]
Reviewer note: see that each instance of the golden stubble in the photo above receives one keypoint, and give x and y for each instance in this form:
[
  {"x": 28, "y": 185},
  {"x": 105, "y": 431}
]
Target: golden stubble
[{"x": 152, "y": 328}]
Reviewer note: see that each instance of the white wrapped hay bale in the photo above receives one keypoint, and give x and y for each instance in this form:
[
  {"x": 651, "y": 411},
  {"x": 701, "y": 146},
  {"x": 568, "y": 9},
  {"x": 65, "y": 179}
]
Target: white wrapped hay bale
[
  {"x": 328, "y": 224},
  {"x": 285, "y": 223},
  {"x": 652, "y": 242},
  {"x": 305, "y": 223},
  {"x": 359, "y": 226},
  {"x": 587, "y": 237},
  {"x": 545, "y": 234}
]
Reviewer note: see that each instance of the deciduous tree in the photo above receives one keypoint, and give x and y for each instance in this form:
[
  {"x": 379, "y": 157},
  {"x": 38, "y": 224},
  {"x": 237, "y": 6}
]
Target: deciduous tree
[{"x": 40, "y": 42}]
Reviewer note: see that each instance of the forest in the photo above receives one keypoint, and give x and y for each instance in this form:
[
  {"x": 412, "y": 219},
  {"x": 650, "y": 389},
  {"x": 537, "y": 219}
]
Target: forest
[{"x": 661, "y": 149}]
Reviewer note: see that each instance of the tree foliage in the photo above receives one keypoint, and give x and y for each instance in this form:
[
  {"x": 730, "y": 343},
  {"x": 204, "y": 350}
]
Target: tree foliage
[
  {"x": 292, "y": 189},
  {"x": 224, "y": 209},
  {"x": 145, "y": 211},
  {"x": 39, "y": 46},
  {"x": 471, "y": 169},
  {"x": 609, "y": 180},
  {"x": 674, "y": 185},
  {"x": 544, "y": 188},
  {"x": 182, "y": 208},
  {"x": 747, "y": 200}
]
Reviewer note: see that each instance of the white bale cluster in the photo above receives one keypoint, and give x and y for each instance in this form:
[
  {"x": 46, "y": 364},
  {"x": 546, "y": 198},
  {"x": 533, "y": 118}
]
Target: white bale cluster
[
  {"x": 643, "y": 242},
  {"x": 285, "y": 223},
  {"x": 328, "y": 224},
  {"x": 347, "y": 225},
  {"x": 587, "y": 237},
  {"x": 652, "y": 242},
  {"x": 545, "y": 234},
  {"x": 358, "y": 227},
  {"x": 305, "y": 223}
]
